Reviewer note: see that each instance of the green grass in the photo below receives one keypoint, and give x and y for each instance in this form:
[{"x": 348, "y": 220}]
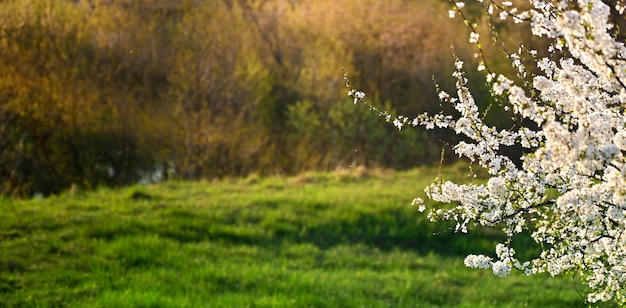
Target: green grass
[{"x": 343, "y": 239}]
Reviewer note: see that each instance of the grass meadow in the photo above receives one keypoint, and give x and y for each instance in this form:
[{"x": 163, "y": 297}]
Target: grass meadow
[{"x": 343, "y": 239}]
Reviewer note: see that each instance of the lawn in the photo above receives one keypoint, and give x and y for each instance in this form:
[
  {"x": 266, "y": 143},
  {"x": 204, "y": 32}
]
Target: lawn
[{"x": 343, "y": 239}]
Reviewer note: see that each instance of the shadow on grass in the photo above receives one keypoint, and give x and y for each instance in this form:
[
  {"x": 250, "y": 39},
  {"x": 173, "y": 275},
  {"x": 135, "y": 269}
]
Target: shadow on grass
[{"x": 270, "y": 224}]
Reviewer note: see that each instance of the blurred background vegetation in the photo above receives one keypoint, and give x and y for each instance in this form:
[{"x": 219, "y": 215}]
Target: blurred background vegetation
[{"x": 113, "y": 92}]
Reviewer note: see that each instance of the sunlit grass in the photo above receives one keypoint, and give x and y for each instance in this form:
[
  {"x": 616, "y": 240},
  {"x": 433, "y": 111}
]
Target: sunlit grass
[{"x": 344, "y": 239}]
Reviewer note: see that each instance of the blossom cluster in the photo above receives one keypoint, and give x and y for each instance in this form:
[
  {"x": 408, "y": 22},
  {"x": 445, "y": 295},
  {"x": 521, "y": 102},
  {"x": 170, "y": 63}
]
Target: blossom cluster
[{"x": 569, "y": 191}]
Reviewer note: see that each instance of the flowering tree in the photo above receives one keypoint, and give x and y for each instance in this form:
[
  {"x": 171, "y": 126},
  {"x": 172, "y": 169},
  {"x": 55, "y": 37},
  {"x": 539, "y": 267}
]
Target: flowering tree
[{"x": 569, "y": 191}]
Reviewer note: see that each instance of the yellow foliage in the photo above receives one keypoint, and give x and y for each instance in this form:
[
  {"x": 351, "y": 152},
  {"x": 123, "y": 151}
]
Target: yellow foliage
[{"x": 106, "y": 92}]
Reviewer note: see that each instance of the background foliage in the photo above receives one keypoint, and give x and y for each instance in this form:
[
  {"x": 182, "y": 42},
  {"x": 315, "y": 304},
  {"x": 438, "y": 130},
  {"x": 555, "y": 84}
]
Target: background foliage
[{"x": 114, "y": 92}]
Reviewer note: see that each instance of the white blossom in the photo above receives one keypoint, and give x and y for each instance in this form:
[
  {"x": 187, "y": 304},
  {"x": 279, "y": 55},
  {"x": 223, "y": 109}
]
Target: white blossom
[
  {"x": 497, "y": 187},
  {"x": 419, "y": 202},
  {"x": 474, "y": 37},
  {"x": 478, "y": 261},
  {"x": 481, "y": 66},
  {"x": 570, "y": 188},
  {"x": 501, "y": 269}
]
